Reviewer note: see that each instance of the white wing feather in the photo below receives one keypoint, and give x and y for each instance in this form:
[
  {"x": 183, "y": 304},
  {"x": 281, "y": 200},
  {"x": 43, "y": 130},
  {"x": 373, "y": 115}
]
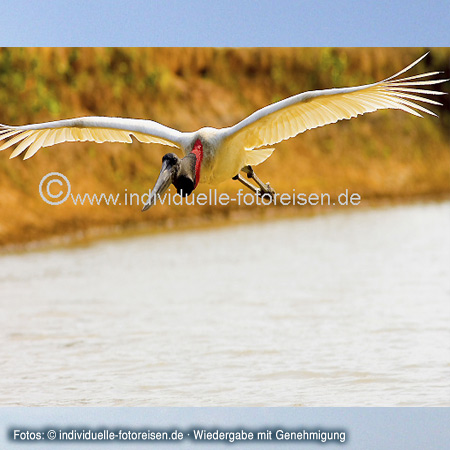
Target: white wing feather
[
  {"x": 267, "y": 126},
  {"x": 95, "y": 129},
  {"x": 294, "y": 115}
]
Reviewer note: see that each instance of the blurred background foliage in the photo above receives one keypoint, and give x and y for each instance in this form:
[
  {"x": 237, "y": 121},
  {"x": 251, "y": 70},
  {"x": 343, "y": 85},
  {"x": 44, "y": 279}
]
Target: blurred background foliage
[{"x": 388, "y": 154}]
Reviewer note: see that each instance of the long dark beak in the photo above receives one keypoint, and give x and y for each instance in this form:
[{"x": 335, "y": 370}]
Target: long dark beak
[{"x": 162, "y": 184}]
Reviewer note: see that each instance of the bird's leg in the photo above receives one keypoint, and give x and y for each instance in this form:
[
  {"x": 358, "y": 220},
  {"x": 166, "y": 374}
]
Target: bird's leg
[
  {"x": 246, "y": 183},
  {"x": 264, "y": 188}
]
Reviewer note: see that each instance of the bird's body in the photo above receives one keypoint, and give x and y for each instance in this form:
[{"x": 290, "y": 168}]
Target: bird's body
[
  {"x": 218, "y": 164},
  {"x": 214, "y": 155}
]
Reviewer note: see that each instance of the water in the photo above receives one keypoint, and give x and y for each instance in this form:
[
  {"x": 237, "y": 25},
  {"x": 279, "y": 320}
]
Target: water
[{"x": 345, "y": 309}]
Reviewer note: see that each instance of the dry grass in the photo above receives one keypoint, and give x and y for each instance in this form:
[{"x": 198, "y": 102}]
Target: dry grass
[{"x": 388, "y": 154}]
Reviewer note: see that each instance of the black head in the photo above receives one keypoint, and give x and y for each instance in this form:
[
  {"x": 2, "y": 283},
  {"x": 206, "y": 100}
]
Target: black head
[
  {"x": 170, "y": 159},
  {"x": 179, "y": 172},
  {"x": 184, "y": 180}
]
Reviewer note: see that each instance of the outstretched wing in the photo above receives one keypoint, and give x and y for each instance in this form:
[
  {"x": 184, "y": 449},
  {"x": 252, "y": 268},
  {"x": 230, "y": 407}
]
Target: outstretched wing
[
  {"x": 96, "y": 129},
  {"x": 294, "y": 115}
]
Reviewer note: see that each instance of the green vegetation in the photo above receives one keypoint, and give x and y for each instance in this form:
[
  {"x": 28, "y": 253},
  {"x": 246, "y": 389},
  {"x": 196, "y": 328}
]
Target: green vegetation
[{"x": 388, "y": 154}]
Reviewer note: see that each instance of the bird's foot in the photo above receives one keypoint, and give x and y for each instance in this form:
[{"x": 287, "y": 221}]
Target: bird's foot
[{"x": 264, "y": 188}]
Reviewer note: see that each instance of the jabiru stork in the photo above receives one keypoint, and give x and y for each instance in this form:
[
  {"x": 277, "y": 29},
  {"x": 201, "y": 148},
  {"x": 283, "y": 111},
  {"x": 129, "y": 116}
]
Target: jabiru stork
[{"x": 214, "y": 155}]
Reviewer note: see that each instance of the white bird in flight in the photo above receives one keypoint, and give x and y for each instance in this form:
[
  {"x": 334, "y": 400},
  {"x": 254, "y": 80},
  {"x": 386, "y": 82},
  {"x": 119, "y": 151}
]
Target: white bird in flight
[{"x": 214, "y": 155}]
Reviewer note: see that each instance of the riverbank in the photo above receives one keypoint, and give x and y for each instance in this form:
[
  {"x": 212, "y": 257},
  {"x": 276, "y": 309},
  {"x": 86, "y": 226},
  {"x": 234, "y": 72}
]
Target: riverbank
[{"x": 241, "y": 217}]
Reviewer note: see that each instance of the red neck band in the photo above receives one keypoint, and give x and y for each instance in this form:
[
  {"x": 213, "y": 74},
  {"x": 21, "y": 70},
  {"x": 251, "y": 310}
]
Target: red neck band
[{"x": 198, "y": 152}]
